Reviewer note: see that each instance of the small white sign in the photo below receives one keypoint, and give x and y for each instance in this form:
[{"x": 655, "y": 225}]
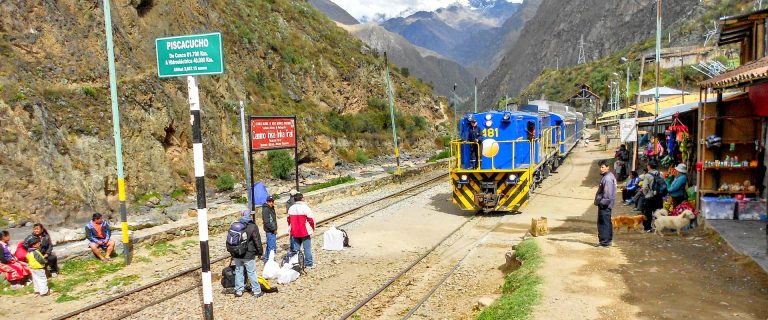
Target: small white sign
[{"x": 628, "y": 130}]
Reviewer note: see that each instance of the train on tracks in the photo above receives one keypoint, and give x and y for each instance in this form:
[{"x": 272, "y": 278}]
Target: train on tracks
[{"x": 516, "y": 151}]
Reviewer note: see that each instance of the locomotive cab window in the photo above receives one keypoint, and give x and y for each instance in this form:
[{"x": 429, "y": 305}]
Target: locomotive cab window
[{"x": 530, "y": 128}]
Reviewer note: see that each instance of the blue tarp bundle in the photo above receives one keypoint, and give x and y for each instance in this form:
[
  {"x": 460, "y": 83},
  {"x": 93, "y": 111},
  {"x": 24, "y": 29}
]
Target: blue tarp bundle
[{"x": 260, "y": 194}]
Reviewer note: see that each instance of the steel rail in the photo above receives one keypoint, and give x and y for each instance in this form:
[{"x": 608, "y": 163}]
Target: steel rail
[{"x": 191, "y": 270}]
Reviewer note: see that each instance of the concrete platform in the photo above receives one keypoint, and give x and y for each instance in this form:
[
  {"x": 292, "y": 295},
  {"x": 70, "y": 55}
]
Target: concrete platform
[{"x": 746, "y": 237}]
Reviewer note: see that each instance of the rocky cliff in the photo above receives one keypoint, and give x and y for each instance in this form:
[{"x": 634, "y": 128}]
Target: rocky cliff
[
  {"x": 334, "y": 12},
  {"x": 554, "y": 33},
  {"x": 57, "y": 160}
]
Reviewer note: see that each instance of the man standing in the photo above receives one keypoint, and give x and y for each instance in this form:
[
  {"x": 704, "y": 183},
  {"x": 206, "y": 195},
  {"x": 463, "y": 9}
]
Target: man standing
[
  {"x": 269, "y": 218},
  {"x": 604, "y": 200},
  {"x": 474, "y": 137},
  {"x": 290, "y": 201},
  {"x": 302, "y": 224},
  {"x": 244, "y": 244},
  {"x": 653, "y": 200},
  {"x": 98, "y": 234}
]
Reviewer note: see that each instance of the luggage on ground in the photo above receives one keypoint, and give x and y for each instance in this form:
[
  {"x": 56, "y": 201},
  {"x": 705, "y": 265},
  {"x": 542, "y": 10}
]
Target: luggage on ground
[{"x": 333, "y": 239}]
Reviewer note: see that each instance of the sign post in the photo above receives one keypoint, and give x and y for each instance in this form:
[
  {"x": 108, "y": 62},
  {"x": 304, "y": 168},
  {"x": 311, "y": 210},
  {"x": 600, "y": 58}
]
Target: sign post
[
  {"x": 190, "y": 56},
  {"x": 246, "y": 159},
  {"x": 273, "y": 133},
  {"x": 127, "y": 248},
  {"x": 628, "y": 130}
]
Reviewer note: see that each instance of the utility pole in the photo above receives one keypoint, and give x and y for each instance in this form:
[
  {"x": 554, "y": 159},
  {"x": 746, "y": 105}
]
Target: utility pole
[
  {"x": 116, "y": 131},
  {"x": 455, "y": 111},
  {"x": 658, "y": 60},
  {"x": 391, "y": 99},
  {"x": 475, "y": 95}
]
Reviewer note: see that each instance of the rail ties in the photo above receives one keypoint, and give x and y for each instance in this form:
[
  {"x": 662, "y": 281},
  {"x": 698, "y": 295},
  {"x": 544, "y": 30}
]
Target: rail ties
[{"x": 157, "y": 292}]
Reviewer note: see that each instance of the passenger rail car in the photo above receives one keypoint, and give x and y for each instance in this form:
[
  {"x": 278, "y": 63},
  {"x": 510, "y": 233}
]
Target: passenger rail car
[{"x": 517, "y": 151}]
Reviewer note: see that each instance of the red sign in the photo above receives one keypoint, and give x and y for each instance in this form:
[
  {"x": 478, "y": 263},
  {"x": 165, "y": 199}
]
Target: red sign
[{"x": 272, "y": 133}]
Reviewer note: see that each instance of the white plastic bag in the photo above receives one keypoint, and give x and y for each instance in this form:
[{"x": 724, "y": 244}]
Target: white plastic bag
[
  {"x": 333, "y": 239},
  {"x": 271, "y": 268},
  {"x": 287, "y": 275}
]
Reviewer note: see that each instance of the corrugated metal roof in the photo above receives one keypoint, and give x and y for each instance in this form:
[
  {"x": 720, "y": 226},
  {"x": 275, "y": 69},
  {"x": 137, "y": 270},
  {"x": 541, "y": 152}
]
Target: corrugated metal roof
[
  {"x": 650, "y": 106},
  {"x": 666, "y": 114},
  {"x": 742, "y": 76},
  {"x": 662, "y": 91}
]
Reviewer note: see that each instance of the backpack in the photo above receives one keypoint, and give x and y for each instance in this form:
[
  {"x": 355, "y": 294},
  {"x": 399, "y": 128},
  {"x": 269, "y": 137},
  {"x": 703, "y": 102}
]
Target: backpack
[
  {"x": 237, "y": 239},
  {"x": 346, "y": 238},
  {"x": 659, "y": 185}
]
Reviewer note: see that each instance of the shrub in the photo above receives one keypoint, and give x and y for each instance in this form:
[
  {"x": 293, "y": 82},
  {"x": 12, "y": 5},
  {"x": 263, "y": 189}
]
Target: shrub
[
  {"x": 442, "y": 155},
  {"x": 281, "y": 163},
  {"x": 90, "y": 91},
  {"x": 225, "y": 182},
  {"x": 361, "y": 156},
  {"x": 331, "y": 183}
]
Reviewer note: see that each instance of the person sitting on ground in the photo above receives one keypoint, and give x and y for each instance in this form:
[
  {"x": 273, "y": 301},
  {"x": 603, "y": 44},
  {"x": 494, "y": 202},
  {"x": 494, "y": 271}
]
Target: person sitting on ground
[
  {"x": 629, "y": 191},
  {"x": 46, "y": 248},
  {"x": 301, "y": 222},
  {"x": 37, "y": 266},
  {"x": 639, "y": 198},
  {"x": 16, "y": 272},
  {"x": 98, "y": 234},
  {"x": 676, "y": 188}
]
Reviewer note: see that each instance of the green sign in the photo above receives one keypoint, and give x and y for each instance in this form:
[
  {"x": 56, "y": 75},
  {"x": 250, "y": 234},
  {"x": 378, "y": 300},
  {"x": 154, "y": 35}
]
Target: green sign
[{"x": 191, "y": 55}]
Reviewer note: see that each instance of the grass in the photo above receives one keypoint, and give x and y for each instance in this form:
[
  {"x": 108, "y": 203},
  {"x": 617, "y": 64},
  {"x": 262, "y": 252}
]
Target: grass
[
  {"x": 331, "y": 183},
  {"x": 161, "y": 248},
  {"x": 520, "y": 292},
  {"x": 178, "y": 193},
  {"x": 241, "y": 200},
  {"x": 442, "y": 155},
  {"x": 74, "y": 273},
  {"x": 121, "y": 281},
  {"x": 143, "y": 198}
]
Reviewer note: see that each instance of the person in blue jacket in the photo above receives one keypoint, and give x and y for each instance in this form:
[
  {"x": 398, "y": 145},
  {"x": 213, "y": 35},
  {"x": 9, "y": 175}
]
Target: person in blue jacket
[
  {"x": 99, "y": 237},
  {"x": 676, "y": 187},
  {"x": 629, "y": 191}
]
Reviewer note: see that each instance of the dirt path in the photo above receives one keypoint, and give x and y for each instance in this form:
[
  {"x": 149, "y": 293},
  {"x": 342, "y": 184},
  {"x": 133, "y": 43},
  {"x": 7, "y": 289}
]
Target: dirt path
[{"x": 642, "y": 276}]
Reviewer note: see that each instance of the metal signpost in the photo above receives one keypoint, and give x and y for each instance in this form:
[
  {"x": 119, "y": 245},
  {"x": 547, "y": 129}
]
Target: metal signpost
[
  {"x": 391, "y": 100},
  {"x": 273, "y": 133},
  {"x": 116, "y": 130},
  {"x": 189, "y": 56},
  {"x": 246, "y": 158}
]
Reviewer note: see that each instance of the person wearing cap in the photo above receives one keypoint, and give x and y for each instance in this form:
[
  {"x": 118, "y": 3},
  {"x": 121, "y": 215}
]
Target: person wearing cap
[
  {"x": 474, "y": 137},
  {"x": 676, "y": 187},
  {"x": 302, "y": 225},
  {"x": 290, "y": 201},
  {"x": 269, "y": 218},
  {"x": 99, "y": 237}
]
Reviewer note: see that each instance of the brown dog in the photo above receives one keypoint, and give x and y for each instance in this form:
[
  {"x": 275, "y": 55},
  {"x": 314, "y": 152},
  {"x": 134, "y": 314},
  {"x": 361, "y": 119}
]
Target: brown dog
[{"x": 631, "y": 222}]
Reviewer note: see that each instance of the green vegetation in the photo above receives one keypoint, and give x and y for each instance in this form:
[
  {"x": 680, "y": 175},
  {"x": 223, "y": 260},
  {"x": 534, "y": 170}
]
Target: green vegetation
[
  {"x": 281, "y": 162},
  {"x": 520, "y": 291},
  {"x": 186, "y": 244},
  {"x": 442, "y": 155},
  {"x": 161, "y": 248},
  {"x": 331, "y": 183},
  {"x": 90, "y": 91},
  {"x": 361, "y": 156},
  {"x": 121, "y": 281},
  {"x": 75, "y": 273},
  {"x": 144, "y": 197},
  {"x": 225, "y": 182},
  {"x": 178, "y": 193},
  {"x": 241, "y": 200}
]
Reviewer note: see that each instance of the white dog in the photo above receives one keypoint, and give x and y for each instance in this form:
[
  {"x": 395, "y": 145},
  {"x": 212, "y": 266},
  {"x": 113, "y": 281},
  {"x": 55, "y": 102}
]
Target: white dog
[{"x": 673, "y": 222}]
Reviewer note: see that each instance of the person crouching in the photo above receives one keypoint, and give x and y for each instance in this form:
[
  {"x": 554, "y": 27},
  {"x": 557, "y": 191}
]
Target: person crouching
[{"x": 37, "y": 263}]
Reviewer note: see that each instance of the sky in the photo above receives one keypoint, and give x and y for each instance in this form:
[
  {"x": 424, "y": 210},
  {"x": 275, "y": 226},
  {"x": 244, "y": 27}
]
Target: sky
[{"x": 392, "y": 8}]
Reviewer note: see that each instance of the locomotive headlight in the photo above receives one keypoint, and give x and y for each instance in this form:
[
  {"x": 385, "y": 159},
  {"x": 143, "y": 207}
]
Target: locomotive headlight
[
  {"x": 463, "y": 179},
  {"x": 512, "y": 179},
  {"x": 507, "y": 118},
  {"x": 488, "y": 116},
  {"x": 489, "y": 123}
]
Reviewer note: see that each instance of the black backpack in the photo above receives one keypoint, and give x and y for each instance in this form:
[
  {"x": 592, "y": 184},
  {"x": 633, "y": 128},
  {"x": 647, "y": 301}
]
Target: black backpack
[
  {"x": 346, "y": 238},
  {"x": 237, "y": 239},
  {"x": 659, "y": 185}
]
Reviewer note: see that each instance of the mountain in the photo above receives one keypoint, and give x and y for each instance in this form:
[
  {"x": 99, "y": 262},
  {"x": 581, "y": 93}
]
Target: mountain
[
  {"x": 484, "y": 50},
  {"x": 422, "y": 63},
  {"x": 554, "y": 33},
  {"x": 57, "y": 158},
  {"x": 333, "y": 11},
  {"x": 444, "y": 29}
]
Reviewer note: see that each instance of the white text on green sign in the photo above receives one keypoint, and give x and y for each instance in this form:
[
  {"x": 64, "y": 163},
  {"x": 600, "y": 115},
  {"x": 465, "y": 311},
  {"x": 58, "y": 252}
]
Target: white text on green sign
[{"x": 189, "y": 55}]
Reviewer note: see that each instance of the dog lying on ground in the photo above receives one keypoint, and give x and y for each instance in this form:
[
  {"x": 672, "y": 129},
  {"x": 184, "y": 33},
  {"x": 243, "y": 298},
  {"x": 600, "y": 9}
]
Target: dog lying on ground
[
  {"x": 673, "y": 222},
  {"x": 631, "y": 222}
]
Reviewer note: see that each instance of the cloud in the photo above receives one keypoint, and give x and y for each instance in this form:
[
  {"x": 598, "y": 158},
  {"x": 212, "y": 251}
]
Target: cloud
[{"x": 390, "y": 8}]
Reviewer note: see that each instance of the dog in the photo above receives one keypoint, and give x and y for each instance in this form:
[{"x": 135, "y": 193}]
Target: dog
[
  {"x": 631, "y": 222},
  {"x": 673, "y": 222}
]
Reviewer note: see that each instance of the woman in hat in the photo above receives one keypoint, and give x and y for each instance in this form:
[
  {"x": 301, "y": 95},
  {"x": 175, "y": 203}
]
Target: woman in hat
[{"x": 676, "y": 188}]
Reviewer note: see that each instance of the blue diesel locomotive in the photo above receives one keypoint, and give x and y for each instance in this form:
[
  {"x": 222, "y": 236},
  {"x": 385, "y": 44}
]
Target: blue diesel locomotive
[{"x": 517, "y": 150}]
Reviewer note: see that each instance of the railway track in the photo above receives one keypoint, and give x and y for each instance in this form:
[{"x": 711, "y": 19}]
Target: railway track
[
  {"x": 139, "y": 299},
  {"x": 412, "y": 277}
]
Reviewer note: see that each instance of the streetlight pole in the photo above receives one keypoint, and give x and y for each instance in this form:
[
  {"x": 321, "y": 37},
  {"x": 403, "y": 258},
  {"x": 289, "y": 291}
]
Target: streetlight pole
[{"x": 658, "y": 58}]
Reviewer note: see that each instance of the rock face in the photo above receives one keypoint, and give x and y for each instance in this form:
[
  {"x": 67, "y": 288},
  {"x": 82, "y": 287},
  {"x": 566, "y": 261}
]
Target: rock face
[
  {"x": 433, "y": 68},
  {"x": 57, "y": 157},
  {"x": 555, "y": 30}
]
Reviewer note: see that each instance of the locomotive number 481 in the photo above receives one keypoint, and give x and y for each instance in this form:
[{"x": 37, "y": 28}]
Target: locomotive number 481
[{"x": 491, "y": 133}]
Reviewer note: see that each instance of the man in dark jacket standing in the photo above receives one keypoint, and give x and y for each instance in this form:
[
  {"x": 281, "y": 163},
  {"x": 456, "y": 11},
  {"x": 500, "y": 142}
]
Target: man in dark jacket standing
[
  {"x": 249, "y": 259},
  {"x": 474, "y": 137},
  {"x": 269, "y": 218},
  {"x": 604, "y": 200}
]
